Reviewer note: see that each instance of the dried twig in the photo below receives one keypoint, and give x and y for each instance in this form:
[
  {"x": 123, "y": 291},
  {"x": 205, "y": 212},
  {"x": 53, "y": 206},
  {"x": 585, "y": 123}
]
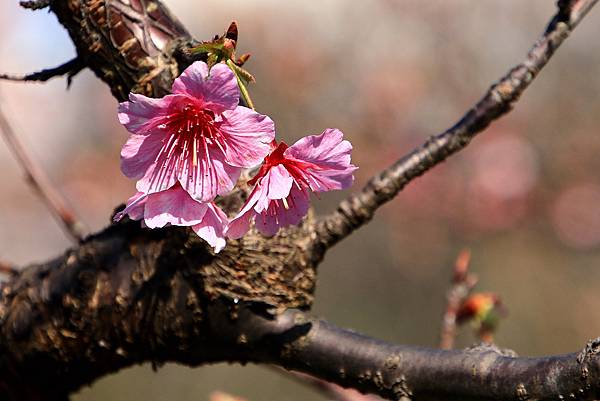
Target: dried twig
[
  {"x": 462, "y": 284},
  {"x": 40, "y": 183},
  {"x": 70, "y": 68}
]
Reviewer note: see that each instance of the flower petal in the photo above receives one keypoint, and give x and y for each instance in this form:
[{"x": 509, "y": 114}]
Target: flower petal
[
  {"x": 298, "y": 206},
  {"x": 142, "y": 115},
  {"x": 188, "y": 79},
  {"x": 158, "y": 177},
  {"x": 282, "y": 214},
  {"x": 330, "y": 156},
  {"x": 212, "y": 227},
  {"x": 173, "y": 206},
  {"x": 211, "y": 176},
  {"x": 139, "y": 153},
  {"x": 134, "y": 207},
  {"x": 248, "y": 136},
  {"x": 241, "y": 222},
  {"x": 217, "y": 90},
  {"x": 258, "y": 197},
  {"x": 278, "y": 182},
  {"x": 240, "y": 225}
]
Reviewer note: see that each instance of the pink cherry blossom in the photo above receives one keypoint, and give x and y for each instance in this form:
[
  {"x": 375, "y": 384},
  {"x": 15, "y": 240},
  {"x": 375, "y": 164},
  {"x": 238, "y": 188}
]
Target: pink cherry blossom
[
  {"x": 176, "y": 207},
  {"x": 281, "y": 195},
  {"x": 198, "y": 136}
]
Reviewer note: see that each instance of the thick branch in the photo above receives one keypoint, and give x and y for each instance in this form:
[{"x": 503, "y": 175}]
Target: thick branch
[
  {"x": 312, "y": 346},
  {"x": 129, "y": 296},
  {"x": 359, "y": 209}
]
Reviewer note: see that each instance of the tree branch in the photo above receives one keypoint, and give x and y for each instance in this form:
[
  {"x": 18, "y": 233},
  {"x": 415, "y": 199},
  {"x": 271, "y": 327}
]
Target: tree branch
[
  {"x": 129, "y": 296},
  {"x": 70, "y": 68},
  {"x": 40, "y": 183},
  {"x": 360, "y": 208},
  {"x": 312, "y": 346}
]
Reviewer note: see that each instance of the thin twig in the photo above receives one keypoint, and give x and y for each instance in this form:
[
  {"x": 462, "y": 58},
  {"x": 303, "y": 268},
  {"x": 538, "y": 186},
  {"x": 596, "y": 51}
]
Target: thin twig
[
  {"x": 462, "y": 284},
  {"x": 70, "y": 68},
  {"x": 40, "y": 183},
  {"x": 360, "y": 208}
]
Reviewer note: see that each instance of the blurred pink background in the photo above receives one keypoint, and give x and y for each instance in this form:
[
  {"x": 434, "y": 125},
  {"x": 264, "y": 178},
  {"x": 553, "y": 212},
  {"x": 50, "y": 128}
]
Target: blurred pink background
[{"x": 525, "y": 196}]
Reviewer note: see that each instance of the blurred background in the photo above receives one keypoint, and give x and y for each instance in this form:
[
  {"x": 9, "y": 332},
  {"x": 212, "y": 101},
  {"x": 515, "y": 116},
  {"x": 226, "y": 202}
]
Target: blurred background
[{"x": 524, "y": 197}]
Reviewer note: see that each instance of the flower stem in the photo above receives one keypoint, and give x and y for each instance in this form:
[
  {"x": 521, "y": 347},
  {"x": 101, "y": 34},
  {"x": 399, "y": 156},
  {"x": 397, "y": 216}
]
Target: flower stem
[{"x": 243, "y": 89}]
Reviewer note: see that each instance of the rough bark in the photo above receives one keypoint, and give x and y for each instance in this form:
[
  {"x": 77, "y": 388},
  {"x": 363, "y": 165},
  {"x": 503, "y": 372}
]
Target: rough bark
[
  {"x": 296, "y": 341},
  {"x": 129, "y": 295}
]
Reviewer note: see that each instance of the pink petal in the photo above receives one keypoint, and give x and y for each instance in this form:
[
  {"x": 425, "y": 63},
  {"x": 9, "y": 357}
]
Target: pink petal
[
  {"x": 142, "y": 115},
  {"x": 248, "y": 136},
  {"x": 329, "y": 148},
  {"x": 174, "y": 206},
  {"x": 278, "y": 182},
  {"x": 139, "y": 153},
  {"x": 157, "y": 178},
  {"x": 278, "y": 215},
  {"x": 328, "y": 180},
  {"x": 196, "y": 72},
  {"x": 134, "y": 207},
  {"x": 330, "y": 155},
  {"x": 267, "y": 225},
  {"x": 298, "y": 206},
  {"x": 212, "y": 227},
  {"x": 210, "y": 177},
  {"x": 259, "y": 198},
  {"x": 241, "y": 223},
  {"x": 218, "y": 91},
  {"x": 272, "y": 216}
]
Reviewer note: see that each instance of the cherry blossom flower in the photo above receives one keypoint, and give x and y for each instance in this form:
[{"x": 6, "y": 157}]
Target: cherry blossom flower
[
  {"x": 198, "y": 136},
  {"x": 176, "y": 207},
  {"x": 281, "y": 195}
]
